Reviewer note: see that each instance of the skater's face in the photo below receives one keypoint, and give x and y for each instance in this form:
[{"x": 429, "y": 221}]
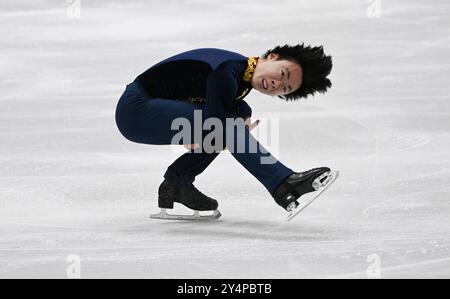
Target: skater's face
[{"x": 276, "y": 77}]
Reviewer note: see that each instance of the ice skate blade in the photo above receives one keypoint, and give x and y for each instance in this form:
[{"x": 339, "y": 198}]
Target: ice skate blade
[
  {"x": 195, "y": 217},
  {"x": 320, "y": 185}
]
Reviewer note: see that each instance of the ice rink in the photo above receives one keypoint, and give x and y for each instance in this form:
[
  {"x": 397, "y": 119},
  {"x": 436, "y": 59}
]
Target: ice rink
[{"x": 73, "y": 191}]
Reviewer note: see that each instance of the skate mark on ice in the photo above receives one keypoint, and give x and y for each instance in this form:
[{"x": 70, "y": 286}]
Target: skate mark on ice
[
  {"x": 422, "y": 141},
  {"x": 383, "y": 203}
]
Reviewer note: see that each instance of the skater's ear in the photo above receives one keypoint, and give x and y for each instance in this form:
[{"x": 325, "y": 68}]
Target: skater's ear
[{"x": 273, "y": 56}]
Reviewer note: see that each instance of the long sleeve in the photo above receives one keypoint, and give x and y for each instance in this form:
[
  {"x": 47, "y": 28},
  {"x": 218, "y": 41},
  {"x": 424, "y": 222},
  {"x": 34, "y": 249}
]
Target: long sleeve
[{"x": 221, "y": 88}]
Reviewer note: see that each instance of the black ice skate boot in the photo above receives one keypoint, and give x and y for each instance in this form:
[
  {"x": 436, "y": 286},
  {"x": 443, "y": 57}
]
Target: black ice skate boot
[
  {"x": 192, "y": 198},
  {"x": 187, "y": 195},
  {"x": 300, "y": 183}
]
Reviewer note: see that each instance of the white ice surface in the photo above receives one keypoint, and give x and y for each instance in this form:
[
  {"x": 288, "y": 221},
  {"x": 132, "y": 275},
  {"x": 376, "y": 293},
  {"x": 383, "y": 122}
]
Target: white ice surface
[{"x": 71, "y": 184}]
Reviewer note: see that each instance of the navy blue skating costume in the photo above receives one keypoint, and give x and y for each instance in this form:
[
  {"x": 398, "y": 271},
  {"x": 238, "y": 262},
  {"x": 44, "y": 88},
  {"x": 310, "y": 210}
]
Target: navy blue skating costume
[{"x": 214, "y": 81}]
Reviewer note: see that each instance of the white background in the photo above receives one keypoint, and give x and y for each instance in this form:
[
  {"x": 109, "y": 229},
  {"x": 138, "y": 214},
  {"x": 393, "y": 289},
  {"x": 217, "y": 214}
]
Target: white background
[{"x": 70, "y": 184}]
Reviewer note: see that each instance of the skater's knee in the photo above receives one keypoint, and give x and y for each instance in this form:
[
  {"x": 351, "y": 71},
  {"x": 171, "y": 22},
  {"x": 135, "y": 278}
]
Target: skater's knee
[{"x": 135, "y": 132}]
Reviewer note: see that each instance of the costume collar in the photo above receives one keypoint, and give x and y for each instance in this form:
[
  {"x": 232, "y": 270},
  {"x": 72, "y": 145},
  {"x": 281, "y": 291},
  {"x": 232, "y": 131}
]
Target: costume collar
[{"x": 251, "y": 65}]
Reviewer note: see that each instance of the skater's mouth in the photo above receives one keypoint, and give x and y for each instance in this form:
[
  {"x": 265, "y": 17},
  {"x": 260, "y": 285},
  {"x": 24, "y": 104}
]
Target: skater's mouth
[{"x": 264, "y": 84}]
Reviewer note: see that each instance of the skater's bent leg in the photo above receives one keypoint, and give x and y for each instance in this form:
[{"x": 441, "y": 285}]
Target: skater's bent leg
[
  {"x": 252, "y": 155},
  {"x": 188, "y": 166},
  {"x": 257, "y": 160},
  {"x": 191, "y": 164},
  {"x": 146, "y": 120}
]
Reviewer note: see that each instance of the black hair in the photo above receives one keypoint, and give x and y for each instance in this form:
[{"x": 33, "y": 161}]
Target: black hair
[{"x": 315, "y": 64}]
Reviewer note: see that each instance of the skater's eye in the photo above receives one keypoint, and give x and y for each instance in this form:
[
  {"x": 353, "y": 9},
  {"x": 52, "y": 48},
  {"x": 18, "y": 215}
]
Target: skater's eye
[{"x": 289, "y": 89}]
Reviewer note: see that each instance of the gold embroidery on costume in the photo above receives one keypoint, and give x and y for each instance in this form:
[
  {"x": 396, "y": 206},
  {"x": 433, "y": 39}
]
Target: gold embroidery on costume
[
  {"x": 244, "y": 93},
  {"x": 251, "y": 65},
  {"x": 197, "y": 100}
]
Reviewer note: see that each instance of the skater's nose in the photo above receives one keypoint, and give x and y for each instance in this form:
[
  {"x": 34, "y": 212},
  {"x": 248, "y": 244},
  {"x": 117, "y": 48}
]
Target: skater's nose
[{"x": 276, "y": 84}]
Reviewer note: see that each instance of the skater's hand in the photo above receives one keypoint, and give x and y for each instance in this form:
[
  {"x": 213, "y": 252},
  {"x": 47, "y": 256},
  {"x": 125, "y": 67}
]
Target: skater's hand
[
  {"x": 191, "y": 146},
  {"x": 248, "y": 123}
]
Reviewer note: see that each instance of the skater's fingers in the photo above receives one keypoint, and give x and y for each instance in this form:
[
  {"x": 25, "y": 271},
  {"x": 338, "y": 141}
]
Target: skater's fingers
[
  {"x": 253, "y": 125},
  {"x": 191, "y": 146},
  {"x": 248, "y": 123}
]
